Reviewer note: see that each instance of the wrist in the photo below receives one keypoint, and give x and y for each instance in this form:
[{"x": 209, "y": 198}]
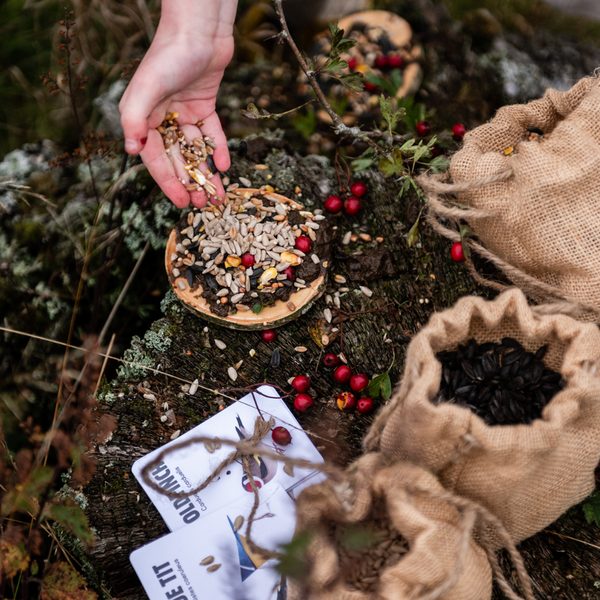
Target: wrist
[{"x": 197, "y": 20}]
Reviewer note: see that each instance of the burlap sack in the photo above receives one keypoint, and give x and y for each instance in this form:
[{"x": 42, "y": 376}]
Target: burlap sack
[
  {"x": 535, "y": 213},
  {"x": 443, "y": 560},
  {"x": 527, "y": 475}
]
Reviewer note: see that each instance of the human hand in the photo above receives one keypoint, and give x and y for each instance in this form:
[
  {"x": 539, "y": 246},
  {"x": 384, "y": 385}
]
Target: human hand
[{"x": 181, "y": 72}]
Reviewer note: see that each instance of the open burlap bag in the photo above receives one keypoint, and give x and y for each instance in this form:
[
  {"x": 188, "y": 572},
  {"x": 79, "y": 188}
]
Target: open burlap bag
[
  {"x": 536, "y": 212},
  {"x": 527, "y": 475},
  {"x": 443, "y": 560}
]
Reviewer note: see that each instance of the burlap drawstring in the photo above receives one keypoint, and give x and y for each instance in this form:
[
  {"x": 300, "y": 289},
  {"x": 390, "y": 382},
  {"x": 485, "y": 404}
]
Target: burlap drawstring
[{"x": 435, "y": 187}]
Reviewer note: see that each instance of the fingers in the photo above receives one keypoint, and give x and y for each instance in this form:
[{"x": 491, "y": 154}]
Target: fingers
[
  {"x": 212, "y": 127},
  {"x": 140, "y": 100},
  {"x": 163, "y": 171}
]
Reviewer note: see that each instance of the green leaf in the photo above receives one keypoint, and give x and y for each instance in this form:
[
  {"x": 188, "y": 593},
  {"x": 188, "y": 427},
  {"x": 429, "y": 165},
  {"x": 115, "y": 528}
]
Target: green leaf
[
  {"x": 352, "y": 82},
  {"x": 386, "y": 386},
  {"x": 73, "y": 520},
  {"x": 390, "y": 113},
  {"x": 381, "y": 82},
  {"x": 439, "y": 164},
  {"x": 345, "y": 45},
  {"x": 335, "y": 67},
  {"x": 294, "y": 562},
  {"x": 257, "y": 308},
  {"x": 420, "y": 151},
  {"x": 393, "y": 165},
  {"x": 413, "y": 234},
  {"x": 408, "y": 145},
  {"x": 361, "y": 164},
  {"x": 591, "y": 509},
  {"x": 336, "y": 34},
  {"x": 396, "y": 80},
  {"x": 374, "y": 388}
]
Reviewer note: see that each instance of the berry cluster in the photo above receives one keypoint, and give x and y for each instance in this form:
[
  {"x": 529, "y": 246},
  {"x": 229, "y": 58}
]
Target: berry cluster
[
  {"x": 358, "y": 382},
  {"x": 351, "y": 205}
]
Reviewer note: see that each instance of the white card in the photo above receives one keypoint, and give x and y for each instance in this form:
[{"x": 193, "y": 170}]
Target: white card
[
  {"x": 184, "y": 469},
  {"x": 169, "y": 568}
]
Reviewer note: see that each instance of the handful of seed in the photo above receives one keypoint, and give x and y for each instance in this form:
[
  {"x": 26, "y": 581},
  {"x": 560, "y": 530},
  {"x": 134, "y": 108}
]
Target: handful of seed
[
  {"x": 200, "y": 150},
  {"x": 251, "y": 251},
  {"x": 501, "y": 383},
  {"x": 365, "y": 549}
]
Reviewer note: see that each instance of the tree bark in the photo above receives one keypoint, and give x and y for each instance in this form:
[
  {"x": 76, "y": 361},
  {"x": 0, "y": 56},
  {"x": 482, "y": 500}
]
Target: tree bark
[{"x": 426, "y": 280}]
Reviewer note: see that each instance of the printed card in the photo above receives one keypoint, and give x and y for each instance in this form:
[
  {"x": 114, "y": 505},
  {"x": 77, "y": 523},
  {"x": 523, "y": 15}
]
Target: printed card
[
  {"x": 211, "y": 557},
  {"x": 184, "y": 469}
]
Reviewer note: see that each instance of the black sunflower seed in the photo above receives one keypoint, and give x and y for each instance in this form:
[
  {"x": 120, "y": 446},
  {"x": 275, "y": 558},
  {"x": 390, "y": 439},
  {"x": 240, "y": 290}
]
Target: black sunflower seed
[
  {"x": 541, "y": 352},
  {"x": 210, "y": 163},
  {"x": 189, "y": 275},
  {"x": 275, "y": 359},
  {"x": 242, "y": 149},
  {"x": 511, "y": 357}
]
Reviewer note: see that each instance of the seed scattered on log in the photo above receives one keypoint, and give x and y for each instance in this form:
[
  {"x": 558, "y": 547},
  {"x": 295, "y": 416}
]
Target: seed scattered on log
[
  {"x": 207, "y": 561},
  {"x": 220, "y": 345},
  {"x": 194, "y": 387},
  {"x": 366, "y": 291},
  {"x": 339, "y": 279},
  {"x": 328, "y": 315},
  {"x": 175, "y": 435},
  {"x": 300, "y": 348},
  {"x": 232, "y": 373},
  {"x": 237, "y": 524},
  {"x": 275, "y": 359}
]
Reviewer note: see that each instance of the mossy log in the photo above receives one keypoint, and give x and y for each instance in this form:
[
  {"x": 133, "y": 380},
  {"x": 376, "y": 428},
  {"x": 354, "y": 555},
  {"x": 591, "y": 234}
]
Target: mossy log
[{"x": 424, "y": 279}]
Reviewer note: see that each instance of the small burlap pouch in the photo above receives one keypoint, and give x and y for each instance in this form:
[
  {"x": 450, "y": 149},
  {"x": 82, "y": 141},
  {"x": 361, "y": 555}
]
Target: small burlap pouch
[
  {"x": 441, "y": 559},
  {"x": 526, "y": 475},
  {"x": 535, "y": 213}
]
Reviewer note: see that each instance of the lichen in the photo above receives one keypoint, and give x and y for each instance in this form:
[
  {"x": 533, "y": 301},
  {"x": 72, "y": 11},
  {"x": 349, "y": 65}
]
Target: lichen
[
  {"x": 158, "y": 338},
  {"x": 170, "y": 304},
  {"x": 135, "y": 354}
]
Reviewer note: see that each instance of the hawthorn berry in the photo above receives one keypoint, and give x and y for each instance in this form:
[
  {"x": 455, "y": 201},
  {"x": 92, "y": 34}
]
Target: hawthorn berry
[
  {"x": 395, "y": 61},
  {"x": 346, "y": 401},
  {"x": 342, "y": 374},
  {"x": 303, "y": 244},
  {"x": 370, "y": 87},
  {"x": 458, "y": 131},
  {"x": 364, "y": 406},
  {"x": 303, "y": 402},
  {"x": 359, "y": 382},
  {"x": 331, "y": 360},
  {"x": 457, "y": 253},
  {"x": 381, "y": 62},
  {"x": 352, "y": 205},
  {"x": 423, "y": 128},
  {"x": 268, "y": 335},
  {"x": 248, "y": 260},
  {"x": 301, "y": 383},
  {"x": 358, "y": 189},
  {"x": 333, "y": 205},
  {"x": 281, "y": 436},
  {"x": 352, "y": 63},
  {"x": 290, "y": 273},
  {"x": 436, "y": 150}
]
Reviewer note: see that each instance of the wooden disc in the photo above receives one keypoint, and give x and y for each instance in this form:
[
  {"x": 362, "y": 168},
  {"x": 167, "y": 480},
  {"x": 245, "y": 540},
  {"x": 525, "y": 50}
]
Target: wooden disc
[{"x": 269, "y": 317}]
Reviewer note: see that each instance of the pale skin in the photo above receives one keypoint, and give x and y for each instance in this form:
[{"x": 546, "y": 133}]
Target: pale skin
[{"x": 181, "y": 72}]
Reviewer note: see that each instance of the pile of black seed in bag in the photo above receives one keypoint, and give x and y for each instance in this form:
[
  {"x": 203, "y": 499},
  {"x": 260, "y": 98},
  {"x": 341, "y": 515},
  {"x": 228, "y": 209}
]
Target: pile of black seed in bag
[{"x": 501, "y": 383}]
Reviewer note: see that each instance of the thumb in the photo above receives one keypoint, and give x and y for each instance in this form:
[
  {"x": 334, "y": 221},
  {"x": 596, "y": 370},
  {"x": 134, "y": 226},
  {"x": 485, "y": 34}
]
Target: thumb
[{"x": 136, "y": 106}]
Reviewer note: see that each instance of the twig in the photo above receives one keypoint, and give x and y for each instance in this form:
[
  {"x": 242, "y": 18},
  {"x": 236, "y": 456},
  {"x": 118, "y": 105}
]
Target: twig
[
  {"x": 110, "y": 345},
  {"x": 568, "y": 537},
  {"x": 340, "y": 128}
]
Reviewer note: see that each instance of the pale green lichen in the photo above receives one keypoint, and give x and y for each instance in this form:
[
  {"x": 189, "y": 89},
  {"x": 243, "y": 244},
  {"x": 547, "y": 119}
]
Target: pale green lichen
[
  {"x": 170, "y": 305},
  {"x": 137, "y": 355},
  {"x": 158, "y": 338}
]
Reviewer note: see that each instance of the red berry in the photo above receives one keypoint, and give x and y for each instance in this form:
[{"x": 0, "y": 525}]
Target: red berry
[
  {"x": 290, "y": 273},
  {"x": 333, "y": 205},
  {"x": 342, "y": 374},
  {"x": 457, "y": 253},
  {"x": 301, "y": 383},
  {"x": 247, "y": 260},
  {"x": 423, "y": 128},
  {"x": 364, "y": 406},
  {"x": 458, "y": 131},
  {"x": 303, "y": 244},
  {"x": 370, "y": 87},
  {"x": 359, "y": 382},
  {"x": 331, "y": 360},
  {"x": 381, "y": 62},
  {"x": 281, "y": 436},
  {"x": 395, "y": 61},
  {"x": 352, "y": 64},
  {"x": 268, "y": 335},
  {"x": 303, "y": 402},
  {"x": 352, "y": 205},
  {"x": 346, "y": 401},
  {"x": 358, "y": 189},
  {"x": 436, "y": 150}
]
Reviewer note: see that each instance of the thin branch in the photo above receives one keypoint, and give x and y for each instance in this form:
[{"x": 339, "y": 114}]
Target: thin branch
[{"x": 340, "y": 128}]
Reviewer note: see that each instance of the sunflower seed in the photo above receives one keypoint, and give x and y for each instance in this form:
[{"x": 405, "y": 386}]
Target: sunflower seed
[
  {"x": 220, "y": 345},
  {"x": 232, "y": 373},
  {"x": 300, "y": 349},
  {"x": 328, "y": 315},
  {"x": 291, "y": 305},
  {"x": 213, "y": 568},
  {"x": 339, "y": 279},
  {"x": 207, "y": 560},
  {"x": 237, "y": 524},
  {"x": 366, "y": 291},
  {"x": 346, "y": 238},
  {"x": 193, "y": 387}
]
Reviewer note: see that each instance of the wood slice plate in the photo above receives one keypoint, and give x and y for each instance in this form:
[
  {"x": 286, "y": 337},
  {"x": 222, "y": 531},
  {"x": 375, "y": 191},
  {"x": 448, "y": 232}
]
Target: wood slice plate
[
  {"x": 269, "y": 317},
  {"x": 400, "y": 33}
]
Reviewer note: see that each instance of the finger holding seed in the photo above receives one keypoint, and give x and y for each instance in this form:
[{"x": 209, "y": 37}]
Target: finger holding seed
[{"x": 163, "y": 171}]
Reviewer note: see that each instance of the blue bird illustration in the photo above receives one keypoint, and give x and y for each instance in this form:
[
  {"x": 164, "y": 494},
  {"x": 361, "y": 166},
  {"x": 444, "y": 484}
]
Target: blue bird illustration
[
  {"x": 262, "y": 469},
  {"x": 249, "y": 561}
]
